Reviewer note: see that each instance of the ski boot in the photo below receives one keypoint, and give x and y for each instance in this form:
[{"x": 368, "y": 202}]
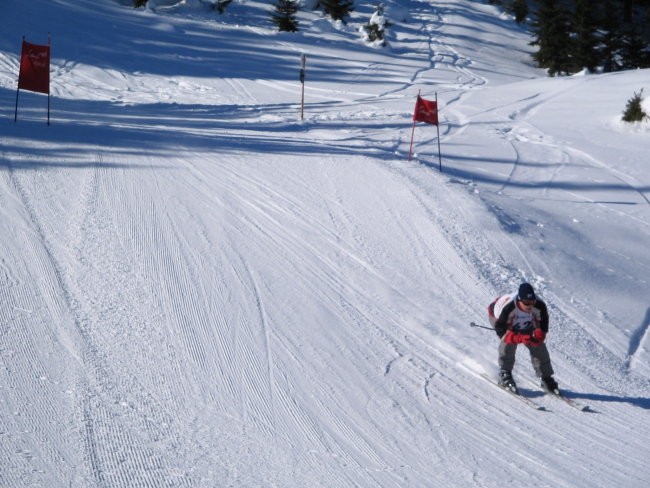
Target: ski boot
[
  {"x": 549, "y": 384},
  {"x": 506, "y": 381}
]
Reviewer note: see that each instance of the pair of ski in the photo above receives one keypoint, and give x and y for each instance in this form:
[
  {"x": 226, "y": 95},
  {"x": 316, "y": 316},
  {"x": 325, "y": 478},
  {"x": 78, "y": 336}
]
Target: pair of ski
[
  {"x": 532, "y": 404},
  {"x": 555, "y": 394}
]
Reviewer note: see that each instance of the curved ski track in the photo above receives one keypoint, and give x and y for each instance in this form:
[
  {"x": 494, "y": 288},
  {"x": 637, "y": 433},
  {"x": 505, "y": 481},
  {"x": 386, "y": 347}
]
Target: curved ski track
[{"x": 213, "y": 313}]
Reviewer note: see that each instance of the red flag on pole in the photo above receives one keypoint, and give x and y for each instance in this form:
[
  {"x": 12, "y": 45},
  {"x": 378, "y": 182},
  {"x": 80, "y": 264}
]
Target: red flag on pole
[
  {"x": 34, "y": 68},
  {"x": 34, "y": 74},
  {"x": 426, "y": 111}
]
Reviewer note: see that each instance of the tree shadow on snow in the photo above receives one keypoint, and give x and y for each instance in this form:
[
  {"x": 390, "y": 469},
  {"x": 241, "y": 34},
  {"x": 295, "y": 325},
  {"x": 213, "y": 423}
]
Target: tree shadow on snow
[
  {"x": 157, "y": 129},
  {"x": 467, "y": 174}
]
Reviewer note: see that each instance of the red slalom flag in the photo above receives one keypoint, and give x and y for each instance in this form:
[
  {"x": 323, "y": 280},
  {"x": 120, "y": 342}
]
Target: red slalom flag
[
  {"x": 426, "y": 111},
  {"x": 34, "y": 68}
]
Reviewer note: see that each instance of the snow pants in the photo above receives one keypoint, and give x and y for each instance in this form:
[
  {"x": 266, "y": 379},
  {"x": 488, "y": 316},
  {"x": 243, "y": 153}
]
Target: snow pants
[{"x": 539, "y": 356}]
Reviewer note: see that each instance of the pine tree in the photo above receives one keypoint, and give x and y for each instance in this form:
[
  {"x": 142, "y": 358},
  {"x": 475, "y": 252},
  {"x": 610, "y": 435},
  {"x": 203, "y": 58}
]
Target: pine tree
[
  {"x": 628, "y": 11},
  {"x": 520, "y": 9},
  {"x": 337, "y": 9},
  {"x": 634, "y": 49},
  {"x": 585, "y": 27},
  {"x": 611, "y": 41},
  {"x": 139, "y": 3},
  {"x": 552, "y": 34},
  {"x": 220, "y": 5},
  {"x": 284, "y": 15},
  {"x": 634, "y": 111}
]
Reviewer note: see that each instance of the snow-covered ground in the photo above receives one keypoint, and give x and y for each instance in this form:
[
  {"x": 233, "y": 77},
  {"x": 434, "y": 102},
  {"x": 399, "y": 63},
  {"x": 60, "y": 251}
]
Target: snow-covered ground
[{"x": 200, "y": 289}]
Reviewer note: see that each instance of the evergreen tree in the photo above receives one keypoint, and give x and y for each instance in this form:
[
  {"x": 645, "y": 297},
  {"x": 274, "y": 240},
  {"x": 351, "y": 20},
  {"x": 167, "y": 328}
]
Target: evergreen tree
[
  {"x": 611, "y": 42},
  {"x": 552, "y": 34},
  {"x": 139, "y": 3},
  {"x": 585, "y": 27},
  {"x": 628, "y": 11},
  {"x": 520, "y": 9},
  {"x": 634, "y": 50},
  {"x": 284, "y": 15},
  {"x": 337, "y": 9},
  {"x": 634, "y": 111},
  {"x": 220, "y": 5}
]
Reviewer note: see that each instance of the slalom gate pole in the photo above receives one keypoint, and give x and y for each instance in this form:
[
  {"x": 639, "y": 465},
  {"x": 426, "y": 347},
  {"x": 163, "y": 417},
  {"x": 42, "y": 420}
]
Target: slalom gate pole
[
  {"x": 411, "y": 148},
  {"x": 18, "y": 89},
  {"x": 49, "y": 43},
  {"x": 413, "y": 129},
  {"x": 303, "y": 64},
  {"x": 16, "y": 114},
  {"x": 438, "y": 129}
]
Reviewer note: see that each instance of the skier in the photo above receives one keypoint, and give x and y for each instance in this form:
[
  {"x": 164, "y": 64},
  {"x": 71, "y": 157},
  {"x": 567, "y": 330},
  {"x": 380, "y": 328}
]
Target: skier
[{"x": 522, "y": 318}]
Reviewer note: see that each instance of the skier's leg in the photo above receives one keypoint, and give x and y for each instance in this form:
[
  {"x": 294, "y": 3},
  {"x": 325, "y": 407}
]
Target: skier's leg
[
  {"x": 507, "y": 356},
  {"x": 541, "y": 360}
]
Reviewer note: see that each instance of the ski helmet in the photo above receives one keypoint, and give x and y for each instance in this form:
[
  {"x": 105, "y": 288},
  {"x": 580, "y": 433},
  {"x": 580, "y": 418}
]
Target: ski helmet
[{"x": 526, "y": 292}]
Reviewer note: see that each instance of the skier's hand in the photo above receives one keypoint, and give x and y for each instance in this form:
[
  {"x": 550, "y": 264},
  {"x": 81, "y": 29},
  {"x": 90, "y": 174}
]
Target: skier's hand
[
  {"x": 539, "y": 335},
  {"x": 536, "y": 338},
  {"x": 514, "y": 338}
]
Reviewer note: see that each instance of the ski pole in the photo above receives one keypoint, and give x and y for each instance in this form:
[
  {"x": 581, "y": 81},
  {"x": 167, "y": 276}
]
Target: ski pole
[{"x": 474, "y": 324}]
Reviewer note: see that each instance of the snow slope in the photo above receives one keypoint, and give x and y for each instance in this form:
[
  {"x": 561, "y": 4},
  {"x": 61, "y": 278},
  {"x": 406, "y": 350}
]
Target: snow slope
[{"x": 200, "y": 289}]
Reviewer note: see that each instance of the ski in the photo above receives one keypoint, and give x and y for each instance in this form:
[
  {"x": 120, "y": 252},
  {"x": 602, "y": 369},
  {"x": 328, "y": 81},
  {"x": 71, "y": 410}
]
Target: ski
[
  {"x": 569, "y": 401},
  {"x": 518, "y": 396}
]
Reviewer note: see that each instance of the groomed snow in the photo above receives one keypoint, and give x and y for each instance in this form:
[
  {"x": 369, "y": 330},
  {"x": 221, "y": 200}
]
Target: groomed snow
[{"x": 200, "y": 289}]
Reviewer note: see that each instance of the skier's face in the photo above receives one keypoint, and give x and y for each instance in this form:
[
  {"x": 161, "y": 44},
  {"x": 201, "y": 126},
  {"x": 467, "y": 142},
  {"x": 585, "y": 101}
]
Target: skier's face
[{"x": 526, "y": 304}]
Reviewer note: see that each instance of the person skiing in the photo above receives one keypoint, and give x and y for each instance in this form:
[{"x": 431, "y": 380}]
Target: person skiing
[{"x": 522, "y": 318}]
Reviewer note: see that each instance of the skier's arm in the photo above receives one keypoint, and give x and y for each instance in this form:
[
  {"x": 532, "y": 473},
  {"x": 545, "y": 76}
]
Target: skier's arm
[
  {"x": 543, "y": 315},
  {"x": 501, "y": 325}
]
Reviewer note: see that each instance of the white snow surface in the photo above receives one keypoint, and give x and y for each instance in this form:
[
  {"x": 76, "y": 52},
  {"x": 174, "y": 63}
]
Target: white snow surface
[{"x": 198, "y": 288}]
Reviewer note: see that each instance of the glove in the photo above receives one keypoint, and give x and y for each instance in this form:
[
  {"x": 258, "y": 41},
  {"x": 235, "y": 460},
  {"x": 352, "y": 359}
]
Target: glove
[
  {"x": 514, "y": 338},
  {"x": 539, "y": 335},
  {"x": 536, "y": 338}
]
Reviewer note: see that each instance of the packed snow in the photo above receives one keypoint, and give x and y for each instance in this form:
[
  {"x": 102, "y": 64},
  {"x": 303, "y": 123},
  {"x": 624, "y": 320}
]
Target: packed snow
[{"x": 200, "y": 288}]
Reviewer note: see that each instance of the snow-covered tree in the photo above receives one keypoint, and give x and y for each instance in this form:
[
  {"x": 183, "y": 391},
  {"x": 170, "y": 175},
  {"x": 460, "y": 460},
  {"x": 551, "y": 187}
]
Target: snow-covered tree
[{"x": 373, "y": 31}]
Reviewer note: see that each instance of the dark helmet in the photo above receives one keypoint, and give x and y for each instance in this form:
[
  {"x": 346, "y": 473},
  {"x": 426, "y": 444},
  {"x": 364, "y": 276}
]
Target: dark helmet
[{"x": 526, "y": 292}]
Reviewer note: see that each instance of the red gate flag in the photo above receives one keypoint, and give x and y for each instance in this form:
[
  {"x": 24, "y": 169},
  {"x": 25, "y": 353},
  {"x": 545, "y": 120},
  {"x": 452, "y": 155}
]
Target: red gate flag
[
  {"x": 34, "y": 68},
  {"x": 426, "y": 111}
]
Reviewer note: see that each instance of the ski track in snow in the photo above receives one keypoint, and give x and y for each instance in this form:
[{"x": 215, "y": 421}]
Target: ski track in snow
[{"x": 220, "y": 295}]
